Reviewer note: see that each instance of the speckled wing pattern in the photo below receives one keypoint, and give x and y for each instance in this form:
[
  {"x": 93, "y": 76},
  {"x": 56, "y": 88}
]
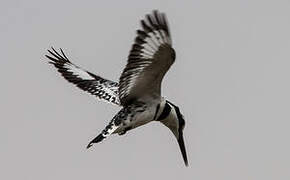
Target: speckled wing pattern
[
  {"x": 150, "y": 58},
  {"x": 103, "y": 89}
]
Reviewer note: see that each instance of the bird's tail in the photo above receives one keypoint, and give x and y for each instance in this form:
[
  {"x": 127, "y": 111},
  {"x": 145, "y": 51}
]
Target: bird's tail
[
  {"x": 105, "y": 133},
  {"x": 97, "y": 139}
]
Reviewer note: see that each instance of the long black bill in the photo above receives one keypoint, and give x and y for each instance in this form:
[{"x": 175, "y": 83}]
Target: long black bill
[{"x": 182, "y": 148}]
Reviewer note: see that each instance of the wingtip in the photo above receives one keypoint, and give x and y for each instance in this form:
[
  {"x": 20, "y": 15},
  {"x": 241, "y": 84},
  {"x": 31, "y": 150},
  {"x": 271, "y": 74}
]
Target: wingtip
[
  {"x": 49, "y": 49},
  {"x": 54, "y": 56},
  {"x": 52, "y": 48}
]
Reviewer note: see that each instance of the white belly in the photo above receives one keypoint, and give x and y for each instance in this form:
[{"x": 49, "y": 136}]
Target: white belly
[{"x": 141, "y": 119}]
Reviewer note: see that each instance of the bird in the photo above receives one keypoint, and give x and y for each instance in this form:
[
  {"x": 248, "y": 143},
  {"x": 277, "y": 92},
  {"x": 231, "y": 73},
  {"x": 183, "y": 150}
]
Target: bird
[{"x": 138, "y": 91}]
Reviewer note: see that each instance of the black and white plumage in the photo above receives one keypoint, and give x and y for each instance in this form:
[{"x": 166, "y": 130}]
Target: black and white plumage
[
  {"x": 149, "y": 59},
  {"x": 139, "y": 89},
  {"x": 104, "y": 89}
]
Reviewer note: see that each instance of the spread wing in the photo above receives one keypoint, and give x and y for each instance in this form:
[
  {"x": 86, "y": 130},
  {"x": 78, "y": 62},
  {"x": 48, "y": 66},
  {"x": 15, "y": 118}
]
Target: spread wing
[
  {"x": 150, "y": 58},
  {"x": 103, "y": 89}
]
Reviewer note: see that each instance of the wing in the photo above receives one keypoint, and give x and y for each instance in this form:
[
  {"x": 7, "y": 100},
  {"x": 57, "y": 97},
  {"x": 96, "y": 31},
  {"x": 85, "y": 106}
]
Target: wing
[
  {"x": 102, "y": 88},
  {"x": 150, "y": 58}
]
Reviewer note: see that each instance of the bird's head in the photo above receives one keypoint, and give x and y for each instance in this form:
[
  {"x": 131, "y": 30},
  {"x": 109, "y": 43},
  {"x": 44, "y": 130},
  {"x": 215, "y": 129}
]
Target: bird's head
[{"x": 175, "y": 122}]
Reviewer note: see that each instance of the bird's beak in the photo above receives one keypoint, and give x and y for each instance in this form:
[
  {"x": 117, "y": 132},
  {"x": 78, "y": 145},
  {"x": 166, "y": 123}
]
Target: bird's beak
[{"x": 182, "y": 148}]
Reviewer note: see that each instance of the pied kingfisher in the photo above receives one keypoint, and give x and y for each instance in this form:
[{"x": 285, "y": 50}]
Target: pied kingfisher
[{"x": 139, "y": 89}]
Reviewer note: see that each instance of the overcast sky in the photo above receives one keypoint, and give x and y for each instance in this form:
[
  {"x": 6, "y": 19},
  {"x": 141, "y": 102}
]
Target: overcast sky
[{"x": 230, "y": 80}]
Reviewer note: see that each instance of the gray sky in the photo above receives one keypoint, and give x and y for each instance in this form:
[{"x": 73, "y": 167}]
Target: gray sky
[{"x": 230, "y": 79}]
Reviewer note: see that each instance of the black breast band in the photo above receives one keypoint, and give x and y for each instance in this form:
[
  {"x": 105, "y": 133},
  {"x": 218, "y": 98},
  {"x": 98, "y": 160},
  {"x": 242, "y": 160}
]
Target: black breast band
[{"x": 165, "y": 112}]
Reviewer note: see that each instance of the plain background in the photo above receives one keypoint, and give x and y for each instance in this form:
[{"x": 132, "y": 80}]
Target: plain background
[{"x": 230, "y": 79}]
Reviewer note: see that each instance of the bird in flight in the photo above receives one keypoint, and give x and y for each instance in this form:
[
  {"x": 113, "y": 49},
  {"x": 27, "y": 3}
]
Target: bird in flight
[{"x": 138, "y": 91}]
